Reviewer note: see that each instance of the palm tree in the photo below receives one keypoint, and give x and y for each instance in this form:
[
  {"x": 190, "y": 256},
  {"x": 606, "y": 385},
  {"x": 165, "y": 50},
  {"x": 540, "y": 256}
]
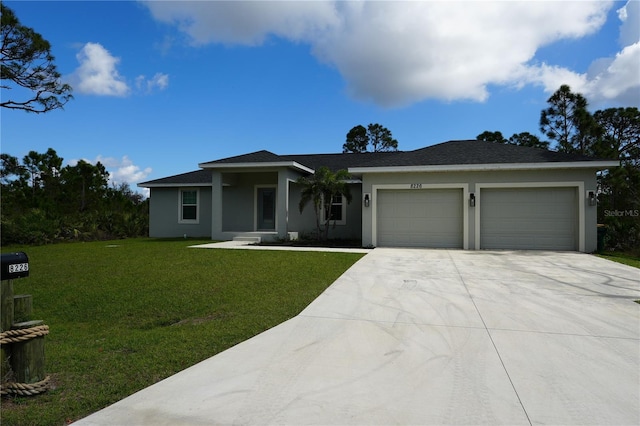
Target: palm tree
[{"x": 320, "y": 188}]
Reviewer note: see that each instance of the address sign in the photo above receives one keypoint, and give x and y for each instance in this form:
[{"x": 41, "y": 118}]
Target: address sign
[{"x": 18, "y": 267}]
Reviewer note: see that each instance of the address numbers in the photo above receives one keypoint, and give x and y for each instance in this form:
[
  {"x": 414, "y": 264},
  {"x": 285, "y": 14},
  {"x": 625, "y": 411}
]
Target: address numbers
[
  {"x": 416, "y": 186},
  {"x": 18, "y": 267}
]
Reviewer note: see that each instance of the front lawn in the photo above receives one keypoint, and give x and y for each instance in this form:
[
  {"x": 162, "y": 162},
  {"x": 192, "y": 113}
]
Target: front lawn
[
  {"x": 125, "y": 314},
  {"x": 631, "y": 258}
]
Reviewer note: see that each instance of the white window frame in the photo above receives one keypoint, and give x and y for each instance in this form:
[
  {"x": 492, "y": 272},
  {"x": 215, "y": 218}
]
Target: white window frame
[
  {"x": 180, "y": 206},
  {"x": 343, "y": 221}
]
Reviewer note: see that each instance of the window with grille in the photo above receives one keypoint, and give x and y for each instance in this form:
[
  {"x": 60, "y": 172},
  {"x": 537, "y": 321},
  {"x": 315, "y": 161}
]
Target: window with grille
[
  {"x": 189, "y": 206},
  {"x": 338, "y": 211}
]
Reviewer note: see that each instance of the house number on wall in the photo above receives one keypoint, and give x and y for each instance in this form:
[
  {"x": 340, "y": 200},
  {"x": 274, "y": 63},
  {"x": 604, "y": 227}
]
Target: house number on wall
[{"x": 416, "y": 186}]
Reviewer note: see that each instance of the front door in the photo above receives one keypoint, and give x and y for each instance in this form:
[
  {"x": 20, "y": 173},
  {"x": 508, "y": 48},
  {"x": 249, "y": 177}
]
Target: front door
[{"x": 266, "y": 212}]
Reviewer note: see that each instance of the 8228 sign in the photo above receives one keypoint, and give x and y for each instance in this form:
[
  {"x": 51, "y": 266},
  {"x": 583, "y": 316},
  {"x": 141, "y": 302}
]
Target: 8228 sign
[{"x": 18, "y": 267}]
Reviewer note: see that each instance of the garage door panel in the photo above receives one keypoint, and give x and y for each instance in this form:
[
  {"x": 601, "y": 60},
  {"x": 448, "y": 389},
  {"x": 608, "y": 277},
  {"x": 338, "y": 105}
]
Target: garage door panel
[
  {"x": 528, "y": 218},
  {"x": 420, "y": 218}
]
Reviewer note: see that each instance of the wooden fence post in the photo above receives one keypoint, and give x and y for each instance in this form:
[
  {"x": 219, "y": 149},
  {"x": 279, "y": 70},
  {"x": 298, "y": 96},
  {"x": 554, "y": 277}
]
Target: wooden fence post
[
  {"x": 6, "y": 295},
  {"x": 27, "y": 358},
  {"x": 22, "y": 307},
  {"x": 6, "y": 312}
]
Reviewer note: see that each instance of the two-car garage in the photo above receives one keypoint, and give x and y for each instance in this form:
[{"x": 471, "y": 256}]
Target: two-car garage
[
  {"x": 522, "y": 218},
  {"x": 477, "y": 195}
]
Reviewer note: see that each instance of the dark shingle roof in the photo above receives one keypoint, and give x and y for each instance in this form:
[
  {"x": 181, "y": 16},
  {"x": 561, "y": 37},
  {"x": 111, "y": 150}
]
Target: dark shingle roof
[
  {"x": 474, "y": 152},
  {"x": 452, "y": 153},
  {"x": 339, "y": 161},
  {"x": 197, "y": 177},
  {"x": 253, "y": 157}
]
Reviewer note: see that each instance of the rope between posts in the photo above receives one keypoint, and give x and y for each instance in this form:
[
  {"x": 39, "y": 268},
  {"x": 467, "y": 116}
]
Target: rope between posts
[
  {"x": 16, "y": 336},
  {"x": 25, "y": 389},
  {"x": 22, "y": 335}
]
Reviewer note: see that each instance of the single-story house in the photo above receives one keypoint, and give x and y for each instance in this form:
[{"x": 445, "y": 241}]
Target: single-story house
[{"x": 459, "y": 194}]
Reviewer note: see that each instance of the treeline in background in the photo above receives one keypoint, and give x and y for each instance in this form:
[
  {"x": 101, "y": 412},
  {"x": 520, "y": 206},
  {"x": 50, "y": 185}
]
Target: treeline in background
[{"x": 43, "y": 202}]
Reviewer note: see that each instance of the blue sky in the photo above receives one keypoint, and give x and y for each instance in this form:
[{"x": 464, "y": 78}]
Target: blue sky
[{"x": 160, "y": 86}]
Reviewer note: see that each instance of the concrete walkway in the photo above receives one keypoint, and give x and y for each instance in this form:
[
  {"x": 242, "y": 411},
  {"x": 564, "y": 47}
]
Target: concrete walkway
[
  {"x": 428, "y": 337},
  {"x": 246, "y": 245}
]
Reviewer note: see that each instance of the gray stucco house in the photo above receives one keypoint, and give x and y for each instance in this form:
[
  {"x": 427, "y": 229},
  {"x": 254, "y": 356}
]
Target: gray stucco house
[{"x": 469, "y": 194}]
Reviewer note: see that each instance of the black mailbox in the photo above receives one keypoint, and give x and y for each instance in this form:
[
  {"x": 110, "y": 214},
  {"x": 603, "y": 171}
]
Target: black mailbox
[{"x": 14, "y": 265}]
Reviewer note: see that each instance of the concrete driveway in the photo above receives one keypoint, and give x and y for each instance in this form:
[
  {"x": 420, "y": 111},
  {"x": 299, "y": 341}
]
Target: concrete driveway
[{"x": 428, "y": 337}]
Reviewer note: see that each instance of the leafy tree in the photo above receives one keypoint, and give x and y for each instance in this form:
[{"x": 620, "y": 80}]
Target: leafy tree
[
  {"x": 488, "y": 136},
  {"x": 619, "y": 188},
  {"x": 375, "y": 137},
  {"x": 43, "y": 202},
  {"x": 520, "y": 139},
  {"x": 319, "y": 189},
  {"x": 10, "y": 166},
  {"x": 357, "y": 140},
  {"x": 620, "y": 129},
  {"x": 86, "y": 184},
  {"x": 26, "y": 62},
  {"x": 568, "y": 122},
  {"x": 14, "y": 179},
  {"x": 527, "y": 139},
  {"x": 43, "y": 171}
]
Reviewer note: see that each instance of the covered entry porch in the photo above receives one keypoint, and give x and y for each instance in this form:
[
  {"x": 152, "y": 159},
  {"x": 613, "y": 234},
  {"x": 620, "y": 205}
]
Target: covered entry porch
[{"x": 251, "y": 204}]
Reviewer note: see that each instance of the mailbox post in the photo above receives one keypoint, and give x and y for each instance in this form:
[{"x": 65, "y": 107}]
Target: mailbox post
[
  {"x": 13, "y": 265},
  {"x": 22, "y": 342}
]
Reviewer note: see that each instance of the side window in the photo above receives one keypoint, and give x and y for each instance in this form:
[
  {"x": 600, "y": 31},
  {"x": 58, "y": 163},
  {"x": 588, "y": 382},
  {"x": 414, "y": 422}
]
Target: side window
[
  {"x": 338, "y": 210},
  {"x": 188, "y": 206}
]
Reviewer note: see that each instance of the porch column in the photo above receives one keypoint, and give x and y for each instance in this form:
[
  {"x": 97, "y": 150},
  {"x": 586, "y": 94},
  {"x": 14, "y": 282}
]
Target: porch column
[
  {"x": 282, "y": 198},
  {"x": 216, "y": 207}
]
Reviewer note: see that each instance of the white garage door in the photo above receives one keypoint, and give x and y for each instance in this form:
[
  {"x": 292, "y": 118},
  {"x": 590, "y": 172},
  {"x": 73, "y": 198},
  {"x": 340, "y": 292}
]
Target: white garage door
[
  {"x": 529, "y": 219},
  {"x": 419, "y": 218}
]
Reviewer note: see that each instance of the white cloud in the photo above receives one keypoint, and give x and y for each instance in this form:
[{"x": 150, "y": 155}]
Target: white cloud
[
  {"x": 245, "y": 22},
  {"x": 158, "y": 81},
  {"x": 120, "y": 170},
  {"x": 629, "y": 15},
  {"x": 97, "y": 73},
  {"x": 397, "y": 53},
  {"x": 608, "y": 80},
  {"x": 123, "y": 170},
  {"x": 619, "y": 79}
]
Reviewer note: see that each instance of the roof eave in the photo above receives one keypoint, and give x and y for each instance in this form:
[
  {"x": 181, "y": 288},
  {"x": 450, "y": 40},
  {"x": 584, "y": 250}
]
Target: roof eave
[
  {"x": 290, "y": 164},
  {"x": 171, "y": 185},
  {"x": 487, "y": 167}
]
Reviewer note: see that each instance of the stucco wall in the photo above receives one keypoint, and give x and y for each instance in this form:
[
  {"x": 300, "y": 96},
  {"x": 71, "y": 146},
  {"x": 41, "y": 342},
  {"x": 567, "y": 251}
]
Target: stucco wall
[
  {"x": 472, "y": 181},
  {"x": 238, "y": 199},
  {"x": 163, "y": 214},
  {"x": 305, "y": 223}
]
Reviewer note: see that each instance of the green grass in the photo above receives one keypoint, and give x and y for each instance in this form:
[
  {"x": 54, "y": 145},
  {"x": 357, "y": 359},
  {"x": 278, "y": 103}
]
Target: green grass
[
  {"x": 631, "y": 258},
  {"x": 125, "y": 314}
]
